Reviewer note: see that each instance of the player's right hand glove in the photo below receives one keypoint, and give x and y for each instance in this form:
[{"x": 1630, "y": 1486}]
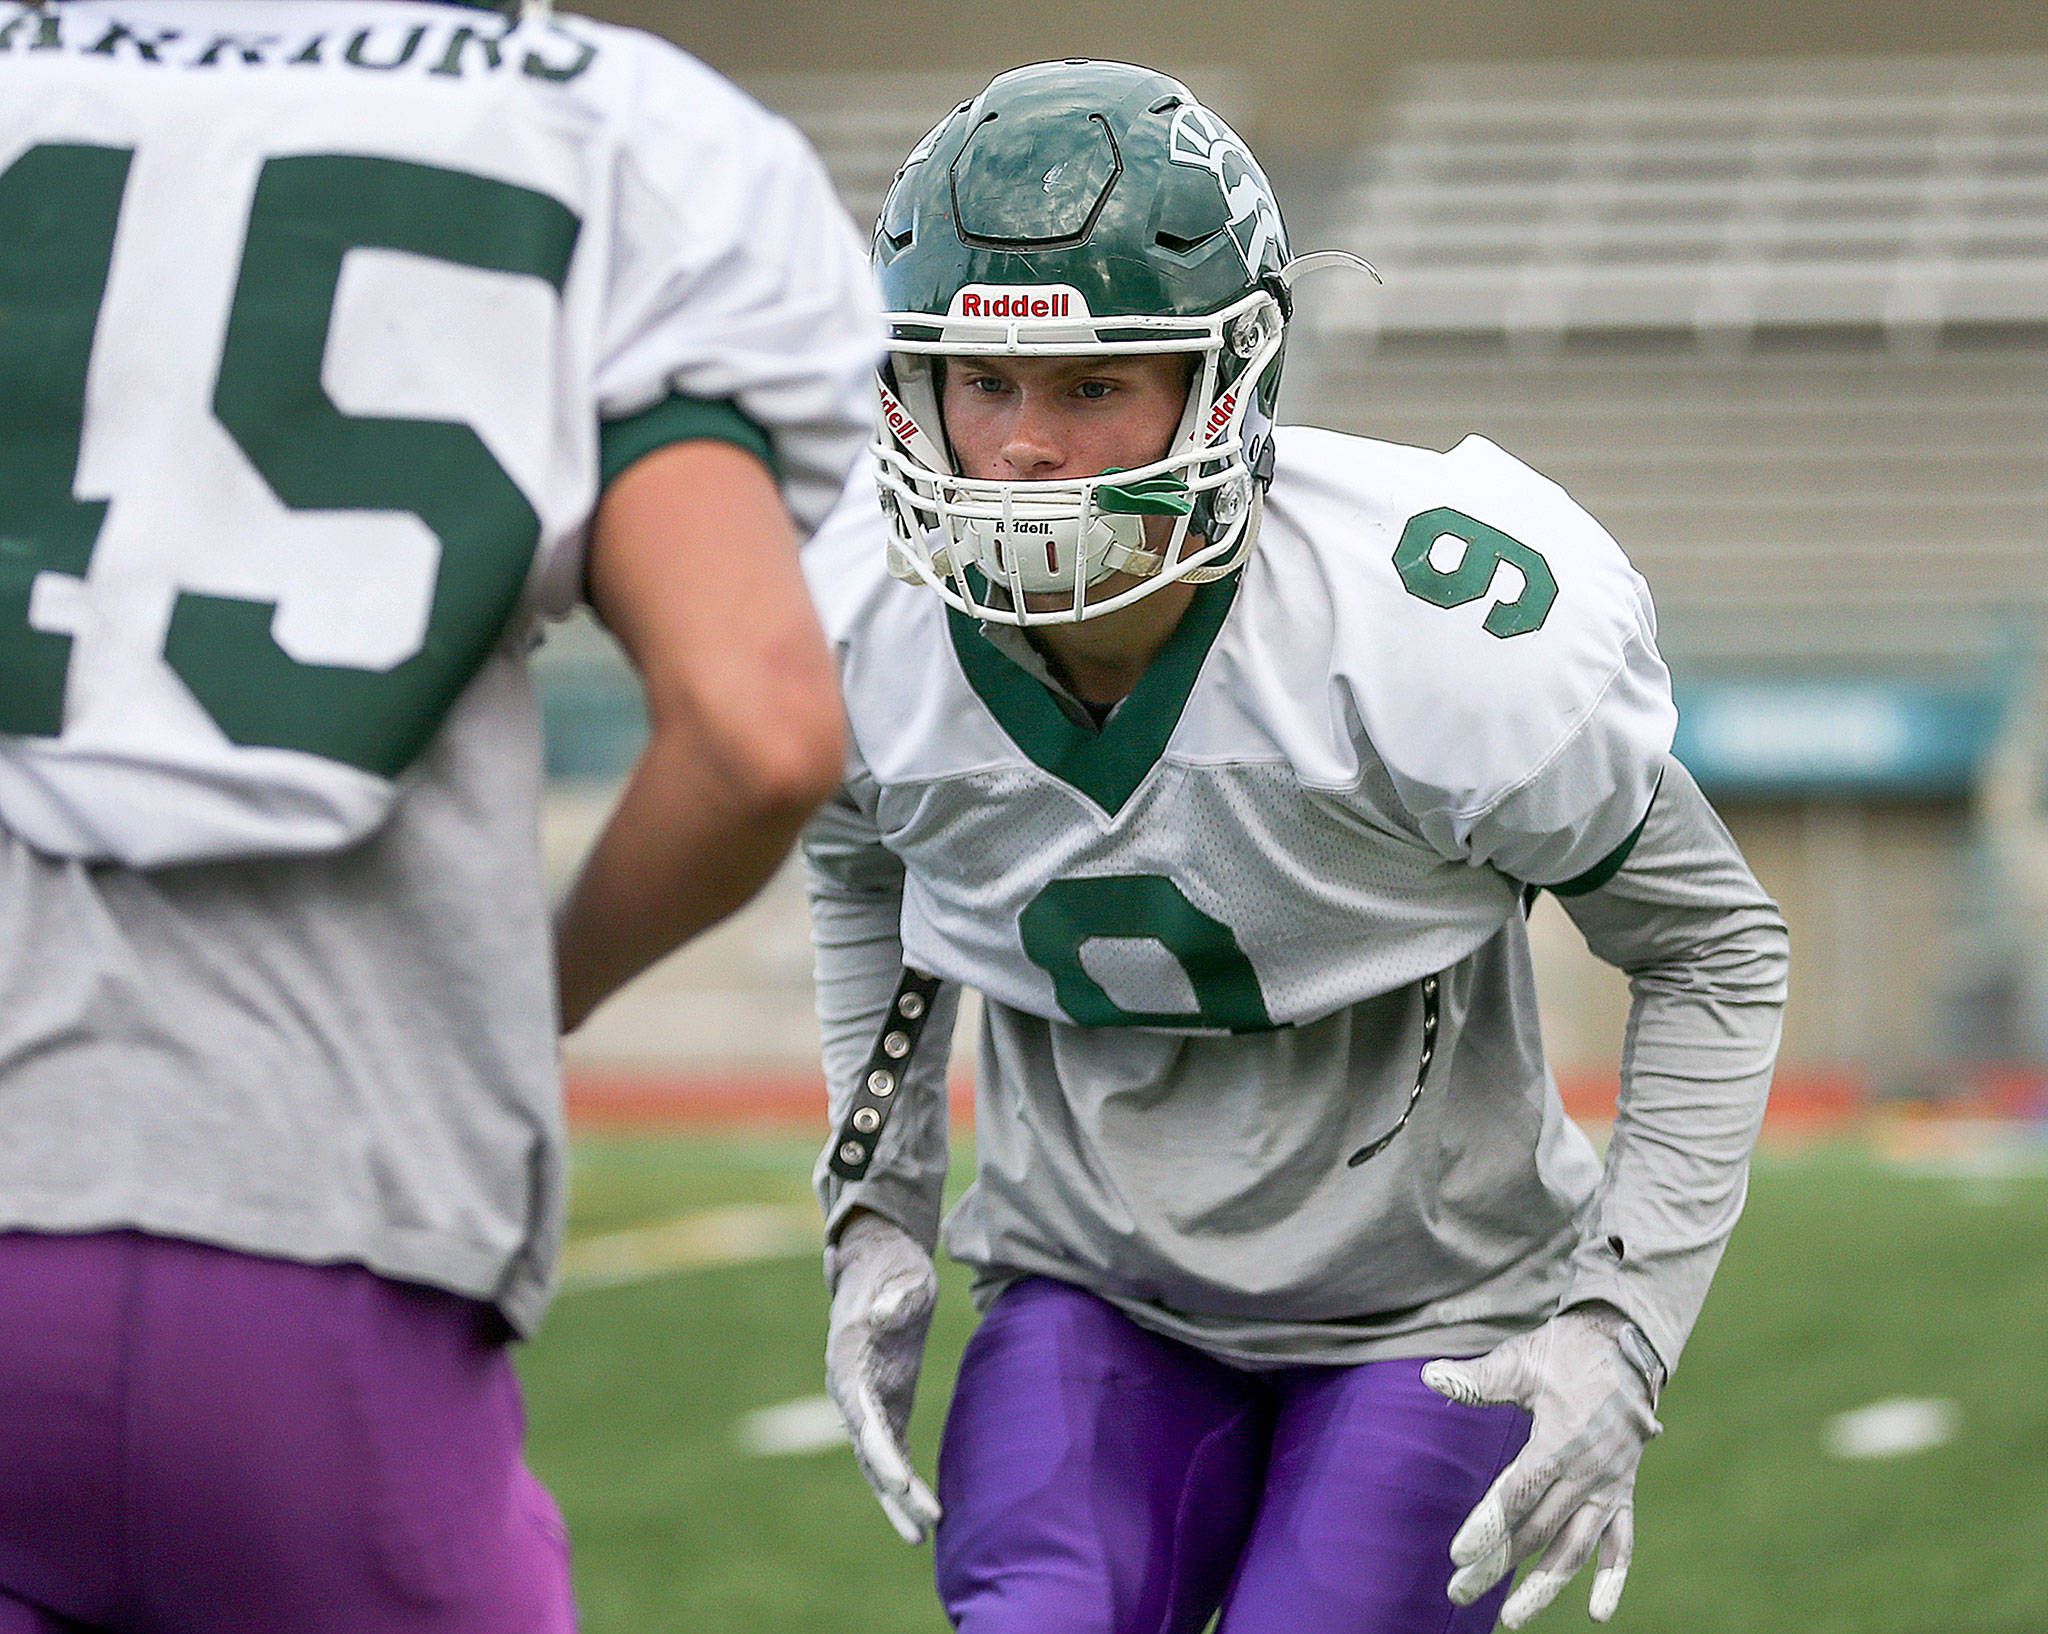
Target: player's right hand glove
[
  {"x": 883, "y": 1290},
  {"x": 1589, "y": 1379}
]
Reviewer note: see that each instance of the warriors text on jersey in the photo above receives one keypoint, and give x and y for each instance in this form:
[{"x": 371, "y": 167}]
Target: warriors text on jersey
[
  {"x": 1203, "y": 929},
  {"x": 322, "y": 325}
]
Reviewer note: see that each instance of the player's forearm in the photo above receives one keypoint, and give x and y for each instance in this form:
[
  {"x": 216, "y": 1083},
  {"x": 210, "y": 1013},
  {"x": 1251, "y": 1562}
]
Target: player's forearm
[
  {"x": 1694, "y": 1081},
  {"x": 1706, "y": 953},
  {"x": 859, "y": 960},
  {"x": 693, "y": 566},
  {"x": 686, "y": 846}
]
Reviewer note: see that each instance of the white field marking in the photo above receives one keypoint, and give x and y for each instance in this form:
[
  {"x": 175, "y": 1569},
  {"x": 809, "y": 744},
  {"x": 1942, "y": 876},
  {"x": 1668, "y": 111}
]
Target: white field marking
[
  {"x": 1972, "y": 1149},
  {"x": 1892, "y": 1429},
  {"x": 811, "y": 1424},
  {"x": 719, "y": 1236}
]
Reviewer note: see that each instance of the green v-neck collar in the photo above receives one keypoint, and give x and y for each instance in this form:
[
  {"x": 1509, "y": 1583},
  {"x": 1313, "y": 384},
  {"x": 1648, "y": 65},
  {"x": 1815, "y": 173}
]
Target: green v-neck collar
[{"x": 1106, "y": 765}]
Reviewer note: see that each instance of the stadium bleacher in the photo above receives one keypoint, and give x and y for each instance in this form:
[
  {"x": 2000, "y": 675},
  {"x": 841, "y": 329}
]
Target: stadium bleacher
[
  {"x": 861, "y": 124},
  {"x": 1784, "y": 329},
  {"x": 1531, "y": 202}
]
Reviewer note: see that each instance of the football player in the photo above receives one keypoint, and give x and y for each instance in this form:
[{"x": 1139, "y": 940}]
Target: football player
[
  {"x": 1224, "y": 761},
  {"x": 340, "y": 343}
]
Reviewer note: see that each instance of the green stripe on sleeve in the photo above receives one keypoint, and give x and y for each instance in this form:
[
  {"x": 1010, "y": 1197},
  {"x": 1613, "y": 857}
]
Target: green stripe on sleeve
[
  {"x": 677, "y": 420},
  {"x": 1610, "y": 865}
]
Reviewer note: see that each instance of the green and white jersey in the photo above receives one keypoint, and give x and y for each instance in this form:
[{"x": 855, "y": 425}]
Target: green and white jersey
[
  {"x": 1435, "y": 681},
  {"x": 1223, "y": 938},
  {"x": 321, "y": 324}
]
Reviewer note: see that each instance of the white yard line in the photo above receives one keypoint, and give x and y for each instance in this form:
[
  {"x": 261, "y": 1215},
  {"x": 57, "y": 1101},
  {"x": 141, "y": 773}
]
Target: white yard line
[
  {"x": 1892, "y": 1429},
  {"x": 811, "y": 1424},
  {"x": 743, "y": 1235}
]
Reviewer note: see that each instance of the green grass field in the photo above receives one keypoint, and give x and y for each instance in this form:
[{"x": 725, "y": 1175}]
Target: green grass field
[{"x": 1849, "y": 1282}]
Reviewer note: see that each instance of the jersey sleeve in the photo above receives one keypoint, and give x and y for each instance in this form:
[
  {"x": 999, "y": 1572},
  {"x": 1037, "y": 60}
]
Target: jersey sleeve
[
  {"x": 1570, "y": 824},
  {"x": 855, "y": 888},
  {"x": 1513, "y": 686},
  {"x": 1706, "y": 955},
  {"x": 739, "y": 302}
]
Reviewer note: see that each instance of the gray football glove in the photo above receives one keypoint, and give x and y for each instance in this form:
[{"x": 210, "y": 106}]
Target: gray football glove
[
  {"x": 883, "y": 1290},
  {"x": 1590, "y": 1378}
]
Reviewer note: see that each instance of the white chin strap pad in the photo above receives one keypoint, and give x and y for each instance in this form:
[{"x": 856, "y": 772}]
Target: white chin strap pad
[{"x": 1036, "y": 553}]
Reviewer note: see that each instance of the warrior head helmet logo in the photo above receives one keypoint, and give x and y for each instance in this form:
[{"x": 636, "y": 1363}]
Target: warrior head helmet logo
[{"x": 1199, "y": 138}]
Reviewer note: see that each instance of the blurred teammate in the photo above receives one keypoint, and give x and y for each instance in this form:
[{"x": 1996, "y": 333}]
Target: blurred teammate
[
  {"x": 1225, "y": 763},
  {"x": 340, "y": 341}
]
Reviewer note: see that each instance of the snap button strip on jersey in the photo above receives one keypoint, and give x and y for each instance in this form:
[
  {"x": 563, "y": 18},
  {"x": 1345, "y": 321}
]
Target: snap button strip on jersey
[
  {"x": 1429, "y": 1024},
  {"x": 854, "y": 1147}
]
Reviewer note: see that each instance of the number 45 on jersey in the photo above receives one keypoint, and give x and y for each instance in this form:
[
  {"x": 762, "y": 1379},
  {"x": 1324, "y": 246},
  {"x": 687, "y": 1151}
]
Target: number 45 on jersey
[{"x": 60, "y": 213}]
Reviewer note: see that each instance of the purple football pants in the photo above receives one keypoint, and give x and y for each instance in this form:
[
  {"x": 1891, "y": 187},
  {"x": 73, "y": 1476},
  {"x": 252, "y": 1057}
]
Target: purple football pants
[
  {"x": 195, "y": 1441},
  {"x": 1100, "y": 1479}
]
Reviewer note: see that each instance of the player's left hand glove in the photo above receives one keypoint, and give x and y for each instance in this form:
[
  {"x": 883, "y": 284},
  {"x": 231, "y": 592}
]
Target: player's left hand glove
[
  {"x": 883, "y": 1290},
  {"x": 1590, "y": 1378}
]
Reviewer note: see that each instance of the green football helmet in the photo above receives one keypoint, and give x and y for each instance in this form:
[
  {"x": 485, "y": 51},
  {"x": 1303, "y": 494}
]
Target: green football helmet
[{"x": 1079, "y": 208}]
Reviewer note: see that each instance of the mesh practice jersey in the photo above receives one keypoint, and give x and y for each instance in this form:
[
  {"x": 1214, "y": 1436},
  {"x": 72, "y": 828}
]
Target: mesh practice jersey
[
  {"x": 1435, "y": 680},
  {"x": 1219, "y": 936},
  {"x": 322, "y": 323}
]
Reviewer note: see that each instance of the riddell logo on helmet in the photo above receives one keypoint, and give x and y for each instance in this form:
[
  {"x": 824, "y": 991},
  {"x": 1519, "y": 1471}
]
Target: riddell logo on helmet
[
  {"x": 897, "y": 417},
  {"x": 1019, "y": 301},
  {"x": 1219, "y": 416}
]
